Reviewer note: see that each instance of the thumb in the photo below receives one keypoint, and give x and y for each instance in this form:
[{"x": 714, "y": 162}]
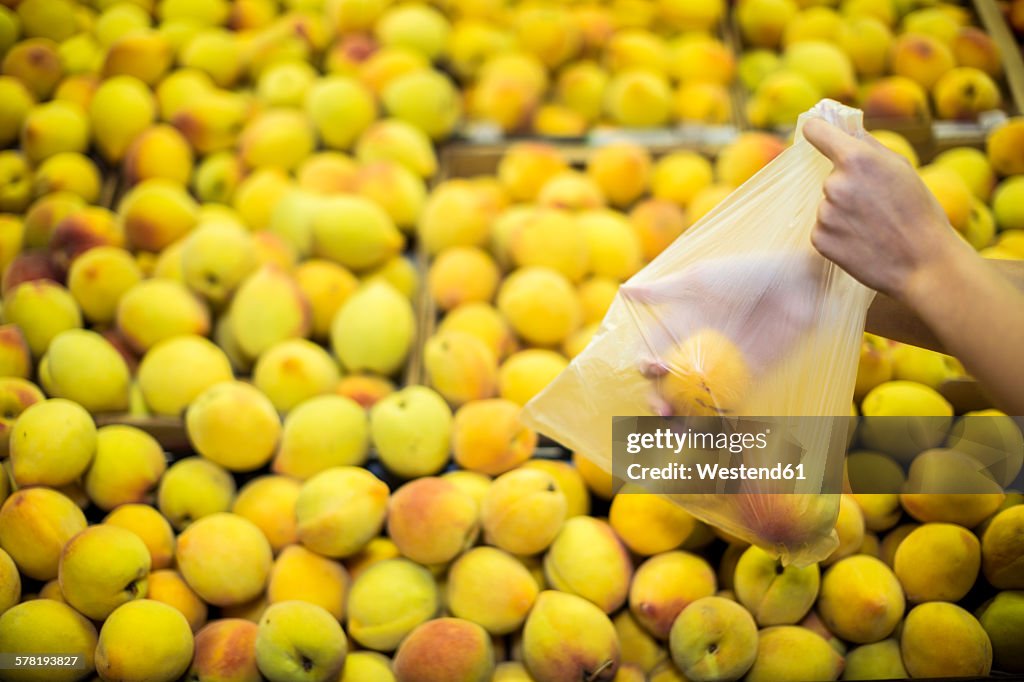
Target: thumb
[{"x": 829, "y": 140}]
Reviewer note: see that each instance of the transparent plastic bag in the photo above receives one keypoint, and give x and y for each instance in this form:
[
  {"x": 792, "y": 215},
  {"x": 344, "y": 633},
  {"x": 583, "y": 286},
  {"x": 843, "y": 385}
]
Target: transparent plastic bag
[{"x": 738, "y": 317}]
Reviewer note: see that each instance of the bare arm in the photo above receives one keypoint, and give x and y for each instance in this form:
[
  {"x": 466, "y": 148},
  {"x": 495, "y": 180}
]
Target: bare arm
[
  {"x": 881, "y": 224},
  {"x": 889, "y": 318}
]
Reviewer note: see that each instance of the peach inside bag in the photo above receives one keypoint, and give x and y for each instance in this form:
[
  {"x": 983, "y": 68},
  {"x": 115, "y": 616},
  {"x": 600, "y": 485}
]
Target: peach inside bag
[{"x": 743, "y": 318}]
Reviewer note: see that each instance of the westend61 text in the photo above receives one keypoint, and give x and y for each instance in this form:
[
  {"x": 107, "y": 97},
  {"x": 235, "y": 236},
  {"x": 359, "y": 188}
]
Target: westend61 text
[{"x": 715, "y": 472}]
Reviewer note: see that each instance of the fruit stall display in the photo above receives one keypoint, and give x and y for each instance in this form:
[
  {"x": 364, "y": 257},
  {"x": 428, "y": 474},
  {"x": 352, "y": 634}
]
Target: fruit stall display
[
  {"x": 266, "y": 334},
  {"x": 942, "y": 62}
]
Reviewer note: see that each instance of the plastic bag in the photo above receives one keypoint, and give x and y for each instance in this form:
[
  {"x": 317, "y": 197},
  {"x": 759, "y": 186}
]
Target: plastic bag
[{"x": 738, "y": 317}]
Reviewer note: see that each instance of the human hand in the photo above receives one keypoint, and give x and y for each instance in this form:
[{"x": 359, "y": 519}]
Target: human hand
[{"x": 878, "y": 220}]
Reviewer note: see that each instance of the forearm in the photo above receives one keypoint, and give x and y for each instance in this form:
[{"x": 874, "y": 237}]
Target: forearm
[
  {"x": 976, "y": 313},
  {"x": 894, "y": 320}
]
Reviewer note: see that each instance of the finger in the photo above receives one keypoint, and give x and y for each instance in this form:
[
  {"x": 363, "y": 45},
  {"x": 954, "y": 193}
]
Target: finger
[{"x": 829, "y": 140}]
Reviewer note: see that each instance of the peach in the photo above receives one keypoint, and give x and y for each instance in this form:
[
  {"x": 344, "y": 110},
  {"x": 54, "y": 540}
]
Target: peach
[
  {"x": 49, "y": 129},
  {"x": 268, "y": 308},
  {"x": 42, "y": 310},
  {"x": 542, "y": 320},
  {"x": 741, "y": 159},
  {"x": 258, "y": 195},
  {"x": 396, "y": 140},
  {"x": 933, "y": 489},
  {"x": 664, "y": 585},
  {"x": 388, "y": 600},
  {"x": 964, "y": 93},
  {"x": 151, "y": 527},
  {"x": 400, "y": 272},
  {"x": 780, "y": 99},
  {"x": 849, "y": 528},
  {"x": 922, "y": 58},
  {"x": 569, "y": 481},
  {"x": 326, "y": 286},
  {"x": 824, "y": 65},
  {"x": 98, "y": 278},
  {"x": 293, "y": 371},
  {"x": 399, "y": 191},
  {"x": 321, "y": 433},
  {"x": 460, "y": 367},
  {"x": 649, "y": 524},
  {"x": 1001, "y": 618},
  {"x": 364, "y": 389},
  {"x": 127, "y": 465},
  {"x": 102, "y": 568},
  {"x": 43, "y": 455},
  {"x": 703, "y": 103},
  {"x": 278, "y": 137},
  {"x": 36, "y": 63},
  {"x": 763, "y": 22},
  {"x": 861, "y": 599},
  {"x": 614, "y": 247},
  {"x": 470, "y": 596},
  {"x": 454, "y": 215},
  {"x": 484, "y": 322},
  {"x": 16, "y": 395},
  {"x": 411, "y": 430},
  {"x": 638, "y": 98},
  {"x": 177, "y": 370},
  {"x": 974, "y": 48},
  {"x": 950, "y": 572},
  {"x": 621, "y": 171},
  {"x": 432, "y": 521},
  {"x": 550, "y": 238},
  {"x": 225, "y": 650},
  {"x": 526, "y": 167},
  {"x": 68, "y": 172},
  {"x": 594, "y": 656},
  {"x": 347, "y": 499},
  {"x": 445, "y": 649},
  {"x": 523, "y": 511},
  {"x": 193, "y": 488},
  {"x": 775, "y": 660},
  {"x": 300, "y": 574},
  {"x": 712, "y": 639},
  {"x": 895, "y": 98},
  {"x": 169, "y": 587},
  {"x": 462, "y": 275},
  {"x": 488, "y": 437},
  {"x": 1002, "y": 552},
  {"x": 48, "y": 627},
  {"x": 426, "y": 99},
  {"x": 10, "y": 592},
  {"x": 1003, "y": 147},
  {"x": 774, "y": 594},
  {"x": 159, "y": 309},
  {"x": 159, "y": 152},
  {"x": 299, "y": 640},
  {"x": 225, "y": 559},
  {"x": 638, "y": 647},
  {"x": 269, "y": 503},
  {"x": 587, "y": 559},
  {"x": 879, "y": 660},
  {"x": 373, "y": 330},
  {"x": 234, "y": 425},
  {"x": 657, "y": 222},
  {"x": 35, "y": 524},
  {"x": 940, "y": 639}
]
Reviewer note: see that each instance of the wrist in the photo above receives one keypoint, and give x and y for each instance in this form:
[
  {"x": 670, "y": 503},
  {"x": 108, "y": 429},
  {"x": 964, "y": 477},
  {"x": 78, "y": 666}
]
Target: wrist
[{"x": 947, "y": 263}]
